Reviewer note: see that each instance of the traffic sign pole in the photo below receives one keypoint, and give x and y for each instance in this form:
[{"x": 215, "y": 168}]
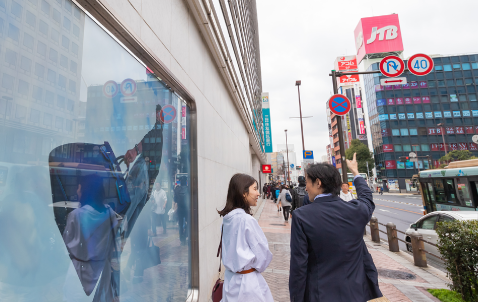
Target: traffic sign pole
[{"x": 339, "y": 128}]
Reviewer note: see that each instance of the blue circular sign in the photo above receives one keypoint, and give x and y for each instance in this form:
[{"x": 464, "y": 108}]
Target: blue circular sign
[
  {"x": 167, "y": 114},
  {"x": 339, "y": 104}
]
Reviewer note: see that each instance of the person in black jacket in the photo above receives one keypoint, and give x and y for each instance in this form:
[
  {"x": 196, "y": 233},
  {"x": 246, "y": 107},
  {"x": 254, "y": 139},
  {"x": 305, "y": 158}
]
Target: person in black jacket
[
  {"x": 298, "y": 194},
  {"x": 329, "y": 259}
]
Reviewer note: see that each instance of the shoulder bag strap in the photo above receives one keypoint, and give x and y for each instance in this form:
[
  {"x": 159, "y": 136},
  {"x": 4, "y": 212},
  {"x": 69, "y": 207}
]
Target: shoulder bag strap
[{"x": 219, "y": 250}]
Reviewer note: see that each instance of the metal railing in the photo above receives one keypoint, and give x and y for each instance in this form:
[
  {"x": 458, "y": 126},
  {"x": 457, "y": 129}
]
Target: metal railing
[{"x": 416, "y": 241}]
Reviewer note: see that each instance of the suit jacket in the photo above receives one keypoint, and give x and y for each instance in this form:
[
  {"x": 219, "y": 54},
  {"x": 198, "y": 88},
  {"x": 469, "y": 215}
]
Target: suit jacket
[{"x": 329, "y": 259}]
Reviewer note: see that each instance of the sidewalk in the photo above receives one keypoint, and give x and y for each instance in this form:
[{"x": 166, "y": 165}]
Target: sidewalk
[{"x": 399, "y": 279}]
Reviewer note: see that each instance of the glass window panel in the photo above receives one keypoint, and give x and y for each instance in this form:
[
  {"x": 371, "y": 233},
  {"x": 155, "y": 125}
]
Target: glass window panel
[
  {"x": 447, "y": 67},
  {"x": 413, "y": 131},
  {"x": 61, "y": 123},
  {"x": 428, "y": 223},
  {"x": 397, "y": 148},
  {"x": 407, "y": 148},
  {"x": 466, "y": 66}
]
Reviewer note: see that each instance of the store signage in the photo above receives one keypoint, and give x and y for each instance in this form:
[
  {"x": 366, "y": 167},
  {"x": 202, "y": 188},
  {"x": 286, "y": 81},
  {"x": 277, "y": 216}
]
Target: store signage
[
  {"x": 393, "y": 116},
  {"x": 383, "y": 102},
  {"x": 408, "y": 101},
  {"x": 438, "y": 114},
  {"x": 386, "y": 132},
  {"x": 391, "y": 101},
  {"x": 266, "y": 169},
  {"x": 420, "y": 115},
  {"x": 425, "y": 99},
  {"x": 410, "y": 115},
  {"x": 392, "y": 66},
  {"x": 399, "y": 101},
  {"x": 266, "y": 118},
  {"x": 469, "y": 130},
  {"x": 390, "y": 164},
  {"x": 401, "y": 116},
  {"x": 349, "y": 78},
  {"x": 462, "y": 146},
  {"x": 388, "y": 148},
  {"x": 473, "y": 146},
  {"x": 378, "y": 35},
  {"x": 420, "y": 64},
  {"x": 450, "y": 130},
  {"x": 459, "y": 130},
  {"x": 466, "y": 113},
  {"x": 346, "y": 63}
]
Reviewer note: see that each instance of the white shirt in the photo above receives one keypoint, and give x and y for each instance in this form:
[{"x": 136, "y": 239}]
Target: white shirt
[
  {"x": 244, "y": 246},
  {"x": 346, "y": 197},
  {"x": 160, "y": 200}
]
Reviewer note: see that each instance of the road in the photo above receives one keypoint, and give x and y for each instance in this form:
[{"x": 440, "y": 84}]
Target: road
[{"x": 402, "y": 210}]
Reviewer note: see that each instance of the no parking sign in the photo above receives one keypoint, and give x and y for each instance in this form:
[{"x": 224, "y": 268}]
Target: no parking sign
[
  {"x": 167, "y": 114},
  {"x": 339, "y": 104}
]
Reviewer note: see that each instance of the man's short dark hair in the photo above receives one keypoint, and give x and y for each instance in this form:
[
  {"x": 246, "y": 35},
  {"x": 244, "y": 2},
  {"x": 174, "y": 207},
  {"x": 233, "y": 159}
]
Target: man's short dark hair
[
  {"x": 328, "y": 175},
  {"x": 345, "y": 183}
]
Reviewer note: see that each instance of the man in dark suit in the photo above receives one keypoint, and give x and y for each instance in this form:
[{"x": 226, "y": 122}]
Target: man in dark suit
[{"x": 329, "y": 260}]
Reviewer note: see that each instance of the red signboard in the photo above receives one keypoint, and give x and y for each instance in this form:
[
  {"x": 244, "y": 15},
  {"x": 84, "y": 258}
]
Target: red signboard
[
  {"x": 439, "y": 131},
  {"x": 473, "y": 146},
  {"x": 390, "y": 164},
  {"x": 377, "y": 35},
  {"x": 450, "y": 130},
  {"x": 423, "y": 84},
  {"x": 408, "y": 101},
  {"x": 390, "y": 101},
  {"x": 469, "y": 130},
  {"x": 413, "y": 84},
  {"x": 346, "y": 79},
  {"x": 434, "y": 147},
  {"x": 347, "y": 63},
  {"x": 425, "y": 99},
  {"x": 432, "y": 131},
  {"x": 388, "y": 148},
  {"x": 441, "y": 147},
  {"x": 453, "y": 146},
  {"x": 386, "y": 132},
  {"x": 417, "y": 100},
  {"x": 399, "y": 101},
  {"x": 462, "y": 146},
  {"x": 266, "y": 169},
  {"x": 459, "y": 130}
]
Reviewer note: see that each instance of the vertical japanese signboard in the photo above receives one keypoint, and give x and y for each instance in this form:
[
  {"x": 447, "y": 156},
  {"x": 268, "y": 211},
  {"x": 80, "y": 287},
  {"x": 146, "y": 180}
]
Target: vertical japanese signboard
[
  {"x": 266, "y": 119},
  {"x": 358, "y": 103}
]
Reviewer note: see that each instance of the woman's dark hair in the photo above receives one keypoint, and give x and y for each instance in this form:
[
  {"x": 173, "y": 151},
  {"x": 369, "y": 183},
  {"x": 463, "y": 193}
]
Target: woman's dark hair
[
  {"x": 328, "y": 175},
  {"x": 238, "y": 186},
  {"x": 92, "y": 190},
  {"x": 283, "y": 187}
]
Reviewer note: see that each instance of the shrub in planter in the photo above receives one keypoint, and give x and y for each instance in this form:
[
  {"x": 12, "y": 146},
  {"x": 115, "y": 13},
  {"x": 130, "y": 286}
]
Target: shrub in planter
[{"x": 458, "y": 245}]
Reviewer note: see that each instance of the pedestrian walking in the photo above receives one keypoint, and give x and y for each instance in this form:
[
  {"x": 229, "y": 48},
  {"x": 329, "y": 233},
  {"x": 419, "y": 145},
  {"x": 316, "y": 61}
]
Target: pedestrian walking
[
  {"x": 285, "y": 200},
  {"x": 245, "y": 250},
  {"x": 345, "y": 193},
  {"x": 269, "y": 191},
  {"x": 380, "y": 190},
  {"x": 300, "y": 193},
  {"x": 158, "y": 214},
  {"x": 329, "y": 260},
  {"x": 181, "y": 198},
  {"x": 277, "y": 191},
  {"x": 264, "y": 190}
]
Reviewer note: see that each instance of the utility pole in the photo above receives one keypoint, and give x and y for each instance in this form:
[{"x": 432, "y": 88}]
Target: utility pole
[
  {"x": 338, "y": 118},
  {"x": 297, "y": 83},
  {"x": 287, "y": 148},
  {"x": 368, "y": 173}
]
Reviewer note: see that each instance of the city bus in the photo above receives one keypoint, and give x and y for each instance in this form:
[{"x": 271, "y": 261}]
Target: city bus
[{"x": 453, "y": 188}]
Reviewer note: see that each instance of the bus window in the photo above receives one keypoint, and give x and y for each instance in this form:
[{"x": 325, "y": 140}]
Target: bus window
[
  {"x": 439, "y": 191},
  {"x": 463, "y": 192},
  {"x": 430, "y": 188},
  {"x": 451, "y": 192}
]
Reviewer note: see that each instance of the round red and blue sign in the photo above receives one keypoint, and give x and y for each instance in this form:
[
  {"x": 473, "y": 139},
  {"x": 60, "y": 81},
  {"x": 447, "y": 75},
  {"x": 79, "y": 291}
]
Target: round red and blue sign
[
  {"x": 339, "y": 104},
  {"x": 392, "y": 66},
  {"x": 167, "y": 114}
]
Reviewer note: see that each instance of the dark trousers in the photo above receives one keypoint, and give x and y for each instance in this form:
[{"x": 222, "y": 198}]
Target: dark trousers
[
  {"x": 158, "y": 220},
  {"x": 183, "y": 218},
  {"x": 285, "y": 211}
]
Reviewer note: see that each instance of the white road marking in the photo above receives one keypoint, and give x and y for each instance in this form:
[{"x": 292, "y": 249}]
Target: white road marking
[
  {"x": 407, "y": 203},
  {"x": 384, "y": 210}
]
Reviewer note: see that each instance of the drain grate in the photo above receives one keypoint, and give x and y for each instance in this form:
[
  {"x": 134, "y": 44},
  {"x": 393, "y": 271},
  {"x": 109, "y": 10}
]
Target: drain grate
[{"x": 388, "y": 273}]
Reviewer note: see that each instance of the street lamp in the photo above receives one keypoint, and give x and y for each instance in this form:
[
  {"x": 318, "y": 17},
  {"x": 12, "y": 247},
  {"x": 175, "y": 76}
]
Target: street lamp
[
  {"x": 287, "y": 150},
  {"x": 297, "y": 83},
  {"x": 442, "y": 135}
]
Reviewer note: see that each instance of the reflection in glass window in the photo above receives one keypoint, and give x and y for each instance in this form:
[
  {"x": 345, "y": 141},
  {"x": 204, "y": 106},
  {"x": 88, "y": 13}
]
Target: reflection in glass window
[
  {"x": 404, "y": 132},
  {"x": 395, "y": 132},
  {"x": 428, "y": 223},
  {"x": 463, "y": 191},
  {"x": 97, "y": 201},
  {"x": 407, "y": 148},
  {"x": 447, "y": 67}
]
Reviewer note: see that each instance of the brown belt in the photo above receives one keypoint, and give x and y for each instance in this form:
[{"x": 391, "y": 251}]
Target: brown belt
[{"x": 247, "y": 271}]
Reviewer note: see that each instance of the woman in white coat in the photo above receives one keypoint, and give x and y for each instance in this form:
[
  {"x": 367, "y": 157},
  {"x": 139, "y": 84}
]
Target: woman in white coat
[
  {"x": 286, "y": 205},
  {"x": 245, "y": 250}
]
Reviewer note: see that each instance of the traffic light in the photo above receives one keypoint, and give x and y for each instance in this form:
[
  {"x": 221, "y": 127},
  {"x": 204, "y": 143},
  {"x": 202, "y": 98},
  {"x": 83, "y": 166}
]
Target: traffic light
[{"x": 404, "y": 159}]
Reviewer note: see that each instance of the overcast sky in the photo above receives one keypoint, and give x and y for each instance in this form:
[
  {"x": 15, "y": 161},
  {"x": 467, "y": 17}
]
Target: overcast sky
[{"x": 300, "y": 40}]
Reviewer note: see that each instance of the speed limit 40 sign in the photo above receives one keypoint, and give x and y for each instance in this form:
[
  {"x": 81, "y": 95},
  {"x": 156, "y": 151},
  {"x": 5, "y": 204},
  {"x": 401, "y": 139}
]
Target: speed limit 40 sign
[{"x": 420, "y": 64}]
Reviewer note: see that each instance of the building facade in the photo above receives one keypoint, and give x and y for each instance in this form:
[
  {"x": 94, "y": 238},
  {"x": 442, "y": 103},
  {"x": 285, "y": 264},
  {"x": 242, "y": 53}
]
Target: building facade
[
  {"x": 406, "y": 118},
  {"x": 109, "y": 108}
]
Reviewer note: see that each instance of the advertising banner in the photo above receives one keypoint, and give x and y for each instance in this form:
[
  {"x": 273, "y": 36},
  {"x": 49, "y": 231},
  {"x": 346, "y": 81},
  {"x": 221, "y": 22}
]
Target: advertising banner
[
  {"x": 390, "y": 164},
  {"x": 266, "y": 119},
  {"x": 378, "y": 34},
  {"x": 266, "y": 169},
  {"x": 349, "y": 79},
  {"x": 388, "y": 148},
  {"x": 393, "y": 184},
  {"x": 346, "y": 63}
]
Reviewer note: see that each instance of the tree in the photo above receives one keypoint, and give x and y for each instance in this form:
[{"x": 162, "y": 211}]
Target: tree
[
  {"x": 457, "y": 155},
  {"x": 363, "y": 156}
]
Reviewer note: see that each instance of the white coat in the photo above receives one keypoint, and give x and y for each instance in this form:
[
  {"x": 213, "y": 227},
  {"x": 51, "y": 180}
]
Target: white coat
[{"x": 244, "y": 246}]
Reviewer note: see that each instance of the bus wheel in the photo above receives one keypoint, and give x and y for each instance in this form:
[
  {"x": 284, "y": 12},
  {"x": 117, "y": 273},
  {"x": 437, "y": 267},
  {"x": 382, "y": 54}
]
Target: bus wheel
[{"x": 409, "y": 246}]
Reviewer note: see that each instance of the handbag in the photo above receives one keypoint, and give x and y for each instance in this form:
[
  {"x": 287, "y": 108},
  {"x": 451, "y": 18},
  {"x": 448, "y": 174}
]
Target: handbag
[
  {"x": 217, "y": 289},
  {"x": 150, "y": 255}
]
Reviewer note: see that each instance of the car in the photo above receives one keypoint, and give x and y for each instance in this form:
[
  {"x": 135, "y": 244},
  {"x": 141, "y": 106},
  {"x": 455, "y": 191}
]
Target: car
[{"x": 427, "y": 224}]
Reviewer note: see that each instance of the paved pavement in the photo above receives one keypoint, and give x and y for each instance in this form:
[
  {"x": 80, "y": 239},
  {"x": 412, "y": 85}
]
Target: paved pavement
[{"x": 399, "y": 279}]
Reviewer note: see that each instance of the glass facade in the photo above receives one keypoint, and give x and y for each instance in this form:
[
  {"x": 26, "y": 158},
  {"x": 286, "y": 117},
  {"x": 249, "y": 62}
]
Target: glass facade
[
  {"x": 404, "y": 118},
  {"x": 94, "y": 165}
]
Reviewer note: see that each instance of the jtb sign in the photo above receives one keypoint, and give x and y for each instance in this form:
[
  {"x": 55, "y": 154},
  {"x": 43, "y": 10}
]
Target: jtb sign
[{"x": 377, "y": 35}]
